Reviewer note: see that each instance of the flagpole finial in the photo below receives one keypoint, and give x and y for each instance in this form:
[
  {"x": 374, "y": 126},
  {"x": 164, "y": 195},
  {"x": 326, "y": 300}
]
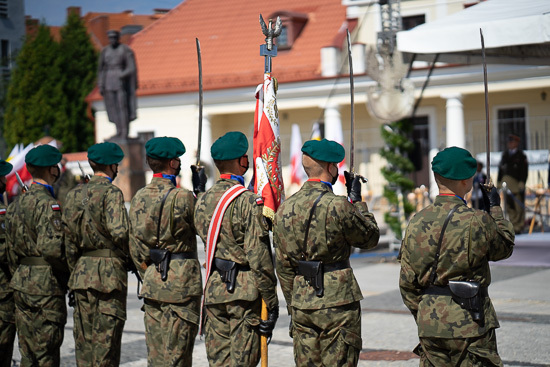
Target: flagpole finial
[{"x": 268, "y": 49}]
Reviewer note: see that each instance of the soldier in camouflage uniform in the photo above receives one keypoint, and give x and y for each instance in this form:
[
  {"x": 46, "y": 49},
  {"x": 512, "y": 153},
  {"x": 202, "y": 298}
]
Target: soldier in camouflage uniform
[
  {"x": 232, "y": 325},
  {"x": 163, "y": 245},
  {"x": 96, "y": 243},
  {"x": 36, "y": 252},
  {"x": 325, "y": 323},
  {"x": 451, "y": 335},
  {"x": 7, "y": 305}
]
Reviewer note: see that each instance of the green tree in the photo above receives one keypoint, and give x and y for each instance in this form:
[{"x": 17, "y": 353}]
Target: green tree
[
  {"x": 398, "y": 146},
  {"x": 78, "y": 62},
  {"x": 35, "y": 98}
]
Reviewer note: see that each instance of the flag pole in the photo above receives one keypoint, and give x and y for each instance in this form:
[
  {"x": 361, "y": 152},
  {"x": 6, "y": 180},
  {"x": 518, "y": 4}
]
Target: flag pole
[{"x": 268, "y": 50}]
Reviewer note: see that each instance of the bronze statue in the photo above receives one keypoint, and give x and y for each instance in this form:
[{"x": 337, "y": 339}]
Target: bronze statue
[{"x": 117, "y": 82}]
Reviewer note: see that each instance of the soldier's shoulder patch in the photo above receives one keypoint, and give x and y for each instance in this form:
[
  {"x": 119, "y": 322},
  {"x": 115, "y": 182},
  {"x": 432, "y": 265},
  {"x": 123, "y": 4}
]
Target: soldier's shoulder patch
[
  {"x": 2, "y": 211},
  {"x": 259, "y": 201},
  {"x": 56, "y": 207}
]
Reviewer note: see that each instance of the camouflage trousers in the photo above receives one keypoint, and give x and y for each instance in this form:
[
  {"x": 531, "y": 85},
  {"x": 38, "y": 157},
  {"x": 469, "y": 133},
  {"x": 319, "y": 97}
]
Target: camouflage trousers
[
  {"x": 98, "y": 323},
  {"x": 479, "y": 352},
  {"x": 232, "y": 335},
  {"x": 40, "y": 322},
  {"x": 327, "y": 337},
  {"x": 171, "y": 329},
  {"x": 7, "y": 329}
]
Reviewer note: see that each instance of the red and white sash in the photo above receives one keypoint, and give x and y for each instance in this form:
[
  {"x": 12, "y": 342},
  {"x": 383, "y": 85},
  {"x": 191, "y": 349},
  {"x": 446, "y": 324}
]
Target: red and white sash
[{"x": 214, "y": 232}]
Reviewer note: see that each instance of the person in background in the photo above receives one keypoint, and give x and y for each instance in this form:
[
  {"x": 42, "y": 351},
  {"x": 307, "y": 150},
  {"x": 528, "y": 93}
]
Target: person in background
[{"x": 513, "y": 170}]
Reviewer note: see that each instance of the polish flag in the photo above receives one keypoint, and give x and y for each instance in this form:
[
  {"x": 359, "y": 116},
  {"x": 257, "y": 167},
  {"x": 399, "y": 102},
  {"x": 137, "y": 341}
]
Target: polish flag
[
  {"x": 297, "y": 173},
  {"x": 19, "y": 166},
  {"x": 333, "y": 131},
  {"x": 268, "y": 180}
]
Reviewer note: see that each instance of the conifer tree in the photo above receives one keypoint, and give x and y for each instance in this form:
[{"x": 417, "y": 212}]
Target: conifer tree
[
  {"x": 398, "y": 146},
  {"x": 34, "y": 94},
  {"x": 78, "y": 62}
]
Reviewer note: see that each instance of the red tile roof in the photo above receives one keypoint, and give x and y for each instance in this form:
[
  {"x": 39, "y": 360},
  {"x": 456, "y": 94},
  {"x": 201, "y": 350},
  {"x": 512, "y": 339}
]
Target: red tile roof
[{"x": 230, "y": 37}]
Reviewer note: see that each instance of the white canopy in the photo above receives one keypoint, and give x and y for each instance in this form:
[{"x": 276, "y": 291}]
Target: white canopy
[{"x": 515, "y": 31}]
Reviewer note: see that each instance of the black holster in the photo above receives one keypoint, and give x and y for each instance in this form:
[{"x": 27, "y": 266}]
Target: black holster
[
  {"x": 469, "y": 295},
  {"x": 228, "y": 272},
  {"x": 161, "y": 259},
  {"x": 312, "y": 271}
]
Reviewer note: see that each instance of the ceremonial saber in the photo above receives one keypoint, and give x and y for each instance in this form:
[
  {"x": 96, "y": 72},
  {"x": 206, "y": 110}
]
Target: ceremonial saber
[
  {"x": 200, "y": 102},
  {"x": 352, "y": 93},
  {"x": 487, "y": 127},
  {"x": 24, "y": 188}
]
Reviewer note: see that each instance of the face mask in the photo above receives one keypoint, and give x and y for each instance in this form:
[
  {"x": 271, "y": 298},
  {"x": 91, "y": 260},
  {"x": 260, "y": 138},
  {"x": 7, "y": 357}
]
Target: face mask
[
  {"x": 245, "y": 167},
  {"x": 58, "y": 174},
  {"x": 334, "y": 178},
  {"x": 2, "y": 187},
  {"x": 115, "y": 171}
]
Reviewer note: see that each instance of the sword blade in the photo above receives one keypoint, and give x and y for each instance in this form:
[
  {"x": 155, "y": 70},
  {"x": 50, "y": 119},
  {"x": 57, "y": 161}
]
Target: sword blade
[
  {"x": 487, "y": 127},
  {"x": 352, "y": 92},
  {"x": 200, "y": 101}
]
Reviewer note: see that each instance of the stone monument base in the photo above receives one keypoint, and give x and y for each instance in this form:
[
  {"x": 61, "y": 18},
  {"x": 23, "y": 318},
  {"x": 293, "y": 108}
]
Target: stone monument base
[{"x": 131, "y": 171}]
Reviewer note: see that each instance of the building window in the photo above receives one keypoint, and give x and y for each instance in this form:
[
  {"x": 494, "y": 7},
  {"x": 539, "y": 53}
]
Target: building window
[
  {"x": 3, "y": 8},
  {"x": 4, "y": 53},
  {"x": 293, "y": 24},
  {"x": 511, "y": 121},
  {"x": 413, "y": 21}
]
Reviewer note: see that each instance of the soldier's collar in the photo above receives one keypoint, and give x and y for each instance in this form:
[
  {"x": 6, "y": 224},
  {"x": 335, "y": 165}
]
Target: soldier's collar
[{"x": 319, "y": 180}]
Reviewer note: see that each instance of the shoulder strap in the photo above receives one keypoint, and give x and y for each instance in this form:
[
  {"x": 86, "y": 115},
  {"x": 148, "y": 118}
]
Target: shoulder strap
[
  {"x": 160, "y": 214},
  {"x": 213, "y": 233},
  {"x": 304, "y": 244},
  {"x": 436, "y": 259}
]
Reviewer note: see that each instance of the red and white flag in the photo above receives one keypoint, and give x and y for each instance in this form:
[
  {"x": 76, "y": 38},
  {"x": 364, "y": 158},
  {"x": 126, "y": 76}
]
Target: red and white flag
[
  {"x": 17, "y": 159},
  {"x": 268, "y": 179},
  {"x": 297, "y": 173},
  {"x": 333, "y": 131}
]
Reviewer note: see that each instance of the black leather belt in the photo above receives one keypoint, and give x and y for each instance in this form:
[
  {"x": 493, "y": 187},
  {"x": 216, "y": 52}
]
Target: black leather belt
[
  {"x": 226, "y": 263},
  {"x": 34, "y": 260},
  {"x": 327, "y": 268},
  {"x": 436, "y": 290},
  {"x": 183, "y": 255},
  {"x": 103, "y": 252}
]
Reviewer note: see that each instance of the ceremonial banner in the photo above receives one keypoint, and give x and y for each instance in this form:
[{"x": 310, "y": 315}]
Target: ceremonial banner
[
  {"x": 268, "y": 180},
  {"x": 297, "y": 173}
]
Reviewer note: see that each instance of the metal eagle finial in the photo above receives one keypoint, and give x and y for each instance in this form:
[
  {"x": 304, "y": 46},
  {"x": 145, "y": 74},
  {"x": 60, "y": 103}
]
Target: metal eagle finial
[{"x": 269, "y": 32}]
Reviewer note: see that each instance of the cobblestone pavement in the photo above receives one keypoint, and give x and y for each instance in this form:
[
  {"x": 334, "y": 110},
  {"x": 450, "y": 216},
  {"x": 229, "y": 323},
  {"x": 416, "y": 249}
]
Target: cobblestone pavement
[{"x": 520, "y": 295}]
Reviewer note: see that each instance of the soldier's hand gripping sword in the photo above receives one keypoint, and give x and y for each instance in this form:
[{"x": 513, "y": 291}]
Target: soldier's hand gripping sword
[
  {"x": 24, "y": 188},
  {"x": 353, "y": 180},
  {"x": 84, "y": 176}
]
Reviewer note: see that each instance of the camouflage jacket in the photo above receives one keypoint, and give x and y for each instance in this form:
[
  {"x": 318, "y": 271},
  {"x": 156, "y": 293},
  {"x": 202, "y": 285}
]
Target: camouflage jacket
[
  {"x": 95, "y": 218},
  {"x": 472, "y": 239},
  {"x": 177, "y": 234},
  {"x": 336, "y": 227},
  {"x": 5, "y": 274},
  {"x": 243, "y": 238},
  {"x": 34, "y": 229}
]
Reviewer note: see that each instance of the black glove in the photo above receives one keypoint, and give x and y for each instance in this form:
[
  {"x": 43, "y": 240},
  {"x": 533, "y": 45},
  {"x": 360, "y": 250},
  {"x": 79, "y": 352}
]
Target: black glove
[
  {"x": 72, "y": 301},
  {"x": 198, "y": 178},
  {"x": 353, "y": 184},
  {"x": 490, "y": 194},
  {"x": 267, "y": 326}
]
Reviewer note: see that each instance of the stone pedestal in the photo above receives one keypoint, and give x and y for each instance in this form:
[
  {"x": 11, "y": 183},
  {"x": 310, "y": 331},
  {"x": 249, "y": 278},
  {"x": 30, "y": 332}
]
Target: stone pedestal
[{"x": 131, "y": 171}]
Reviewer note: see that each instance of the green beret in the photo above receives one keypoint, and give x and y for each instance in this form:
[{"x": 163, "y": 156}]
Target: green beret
[
  {"x": 5, "y": 167},
  {"x": 164, "y": 148},
  {"x": 230, "y": 146},
  {"x": 105, "y": 153},
  {"x": 324, "y": 150},
  {"x": 43, "y": 156},
  {"x": 454, "y": 163}
]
